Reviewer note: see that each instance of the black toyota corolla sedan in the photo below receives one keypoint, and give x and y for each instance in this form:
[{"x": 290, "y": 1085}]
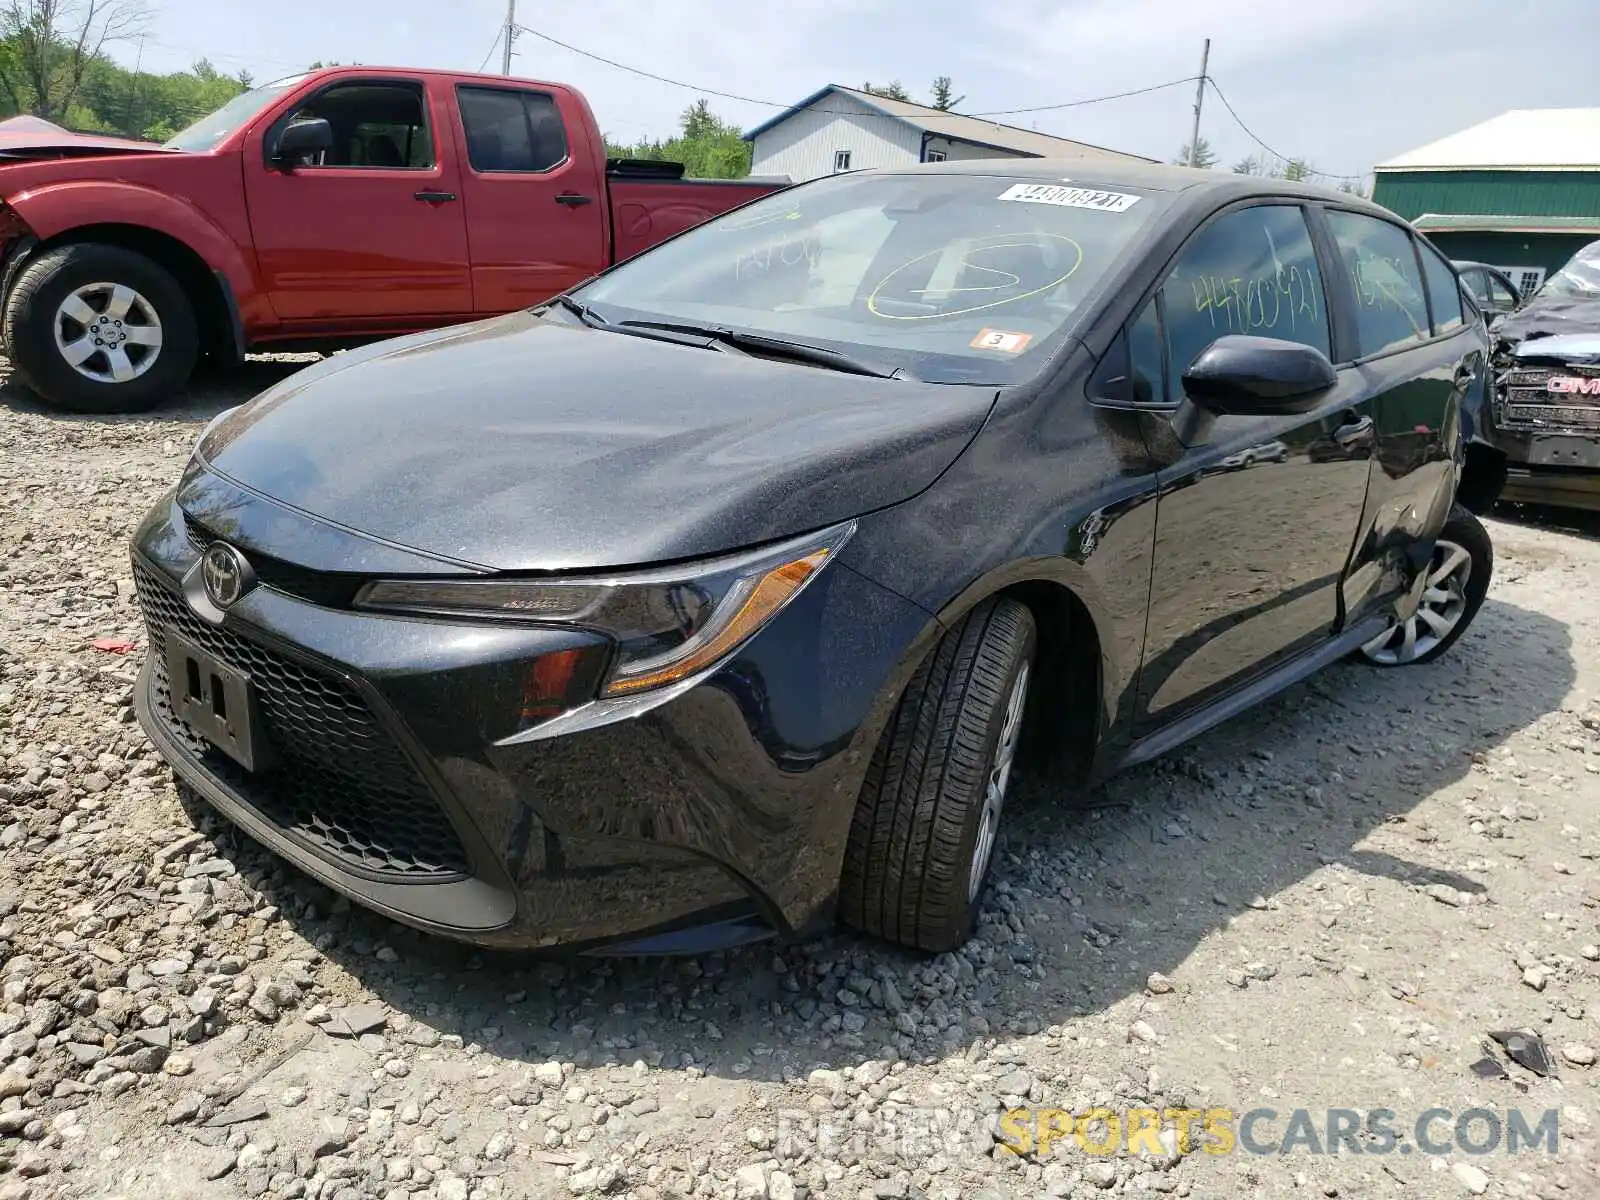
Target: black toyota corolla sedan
[{"x": 723, "y": 596}]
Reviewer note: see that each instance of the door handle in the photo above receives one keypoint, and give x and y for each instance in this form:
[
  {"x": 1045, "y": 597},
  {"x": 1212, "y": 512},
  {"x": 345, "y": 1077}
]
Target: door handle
[
  {"x": 573, "y": 200},
  {"x": 434, "y": 197}
]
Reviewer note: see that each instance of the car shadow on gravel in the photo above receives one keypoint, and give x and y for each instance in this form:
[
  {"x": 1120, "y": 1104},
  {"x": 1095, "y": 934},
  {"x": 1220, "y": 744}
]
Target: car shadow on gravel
[
  {"x": 208, "y": 393},
  {"x": 1088, "y": 901},
  {"x": 1575, "y": 522}
]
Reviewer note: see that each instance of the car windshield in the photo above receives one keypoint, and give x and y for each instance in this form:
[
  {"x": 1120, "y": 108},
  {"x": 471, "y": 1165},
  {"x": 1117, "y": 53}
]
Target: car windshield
[
  {"x": 1580, "y": 278},
  {"x": 955, "y": 278},
  {"x": 208, "y": 131}
]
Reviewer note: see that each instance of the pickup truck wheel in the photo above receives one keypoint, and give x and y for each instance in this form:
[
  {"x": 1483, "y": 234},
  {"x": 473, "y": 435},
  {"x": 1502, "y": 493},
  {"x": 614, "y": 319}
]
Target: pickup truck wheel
[
  {"x": 1458, "y": 580},
  {"x": 100, "y": 329},
  {"x": 926, "y": 822}
]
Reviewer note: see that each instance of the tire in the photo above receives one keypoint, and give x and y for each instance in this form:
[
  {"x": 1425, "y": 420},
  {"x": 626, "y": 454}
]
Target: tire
[
  {"x": 911, "y": 872},
  {"x": 37, "y": 328},
  {"x": 1453, "y": 599}
]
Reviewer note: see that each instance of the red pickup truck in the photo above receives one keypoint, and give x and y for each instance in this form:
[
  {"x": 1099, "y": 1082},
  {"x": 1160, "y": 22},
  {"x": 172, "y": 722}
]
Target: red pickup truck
[{"x": 319, "y": 211}]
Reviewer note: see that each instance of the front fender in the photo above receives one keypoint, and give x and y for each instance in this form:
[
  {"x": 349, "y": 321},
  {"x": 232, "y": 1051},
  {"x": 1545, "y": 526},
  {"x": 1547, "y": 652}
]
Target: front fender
[{"x": 58, "y": 208}]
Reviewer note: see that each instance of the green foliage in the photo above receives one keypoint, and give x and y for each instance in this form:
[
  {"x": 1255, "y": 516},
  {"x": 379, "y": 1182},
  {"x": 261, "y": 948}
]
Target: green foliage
[
  {"x": 893, "y": 90},
  {"x": 944, "y": 97},
  {"x": 47, "y": 73},
  {"x": 1297, "y": 169},
  {"x": 1205, "y": 157},
  {"x": 707, "y": 146},
  {"x": 1250, "y": 165}
]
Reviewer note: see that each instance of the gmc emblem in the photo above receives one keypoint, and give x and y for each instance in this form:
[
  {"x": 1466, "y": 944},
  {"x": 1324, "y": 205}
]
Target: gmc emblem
[{"x": 1573, "y": 385}]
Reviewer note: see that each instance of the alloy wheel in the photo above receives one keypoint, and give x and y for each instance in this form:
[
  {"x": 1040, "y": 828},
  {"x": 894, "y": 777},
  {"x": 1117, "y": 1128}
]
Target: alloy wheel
[
  {"x": 1443, "y": 604},
  {"x": 108, "y": 332},
  {"x": 994, "y": 794}
]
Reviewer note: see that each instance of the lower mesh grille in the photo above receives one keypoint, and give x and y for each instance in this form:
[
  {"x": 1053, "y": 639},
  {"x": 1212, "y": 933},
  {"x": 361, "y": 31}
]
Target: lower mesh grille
[{"x": 342, "y": 786}]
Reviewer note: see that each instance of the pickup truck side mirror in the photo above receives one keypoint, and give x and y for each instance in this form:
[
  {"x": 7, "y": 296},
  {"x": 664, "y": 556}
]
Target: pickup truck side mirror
[
  {"x": 1256, "y": 376},
  {"x": 300, "y": 140}
]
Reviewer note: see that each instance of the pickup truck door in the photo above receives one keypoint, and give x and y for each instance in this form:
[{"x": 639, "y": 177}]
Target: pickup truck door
[
  {"x": 534, "y": 194},
  {"x": 372, "y": 232}
]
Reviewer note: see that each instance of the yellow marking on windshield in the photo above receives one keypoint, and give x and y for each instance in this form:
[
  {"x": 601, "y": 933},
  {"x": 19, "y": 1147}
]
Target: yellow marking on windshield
[{"x": 1001, "y": 242}]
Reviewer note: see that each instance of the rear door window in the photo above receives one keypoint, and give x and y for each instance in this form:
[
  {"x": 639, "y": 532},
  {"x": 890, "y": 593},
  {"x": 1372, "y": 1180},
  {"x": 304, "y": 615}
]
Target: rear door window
[
  {"x": 1252, "y": 271},
  {"x": 1444, "y": 292},
  {"x": 512, "y": 130},
  {"x": 1391, "y": 312}
]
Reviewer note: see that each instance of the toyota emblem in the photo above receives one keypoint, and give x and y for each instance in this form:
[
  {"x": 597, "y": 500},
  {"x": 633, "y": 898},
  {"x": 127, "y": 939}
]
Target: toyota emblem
[{"x": 225, "y": 573}]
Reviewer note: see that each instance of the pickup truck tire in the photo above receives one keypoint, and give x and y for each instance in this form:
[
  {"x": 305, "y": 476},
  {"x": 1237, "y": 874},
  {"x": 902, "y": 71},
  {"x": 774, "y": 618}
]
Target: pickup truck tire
[
  {"x": 925, "y": 824},
  {"x": 99, "y": 329}
]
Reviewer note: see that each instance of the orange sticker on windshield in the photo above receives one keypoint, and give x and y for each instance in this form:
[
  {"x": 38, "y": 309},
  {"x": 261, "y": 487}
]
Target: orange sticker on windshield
[{"x": 1002, "y": 340}]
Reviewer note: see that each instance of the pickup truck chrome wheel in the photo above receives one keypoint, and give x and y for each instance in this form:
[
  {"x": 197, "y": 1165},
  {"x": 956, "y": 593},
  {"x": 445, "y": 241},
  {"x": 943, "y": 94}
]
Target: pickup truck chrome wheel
[
  {"x": 108, "y": 332},
  {"x": 994, "y": 794}
]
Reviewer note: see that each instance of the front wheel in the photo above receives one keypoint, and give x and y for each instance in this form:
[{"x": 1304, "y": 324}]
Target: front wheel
[
  {"x": 1458, "y": 581},
  {"x": 100, "y": 329},
  {"x": 929, "y": 813}
]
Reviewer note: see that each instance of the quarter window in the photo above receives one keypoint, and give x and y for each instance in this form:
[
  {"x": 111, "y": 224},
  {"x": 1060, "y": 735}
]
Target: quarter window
[
  {"x": 1146, "y": 376},
  {"x": 1253, "y": 271},
  {"x": 510, "y": 130},
  {"x": 1444, "y": 292},
  {"x": 1390, "y": 310}
]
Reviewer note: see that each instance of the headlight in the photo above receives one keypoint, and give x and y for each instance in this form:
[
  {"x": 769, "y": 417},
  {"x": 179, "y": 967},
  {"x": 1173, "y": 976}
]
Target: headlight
[{"x": 669, "y": 625}]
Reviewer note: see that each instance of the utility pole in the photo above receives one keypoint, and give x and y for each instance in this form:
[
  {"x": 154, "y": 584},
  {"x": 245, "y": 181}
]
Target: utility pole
[
  {"x": 1199, "y": 98},
  {"x": 511, "y": 34}
]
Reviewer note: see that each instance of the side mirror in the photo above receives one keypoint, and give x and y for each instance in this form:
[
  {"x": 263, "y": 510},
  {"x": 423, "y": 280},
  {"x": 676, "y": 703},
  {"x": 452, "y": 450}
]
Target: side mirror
[
  {"x": 301, "y": 139},
  {"x": 1239, "y": 375}
]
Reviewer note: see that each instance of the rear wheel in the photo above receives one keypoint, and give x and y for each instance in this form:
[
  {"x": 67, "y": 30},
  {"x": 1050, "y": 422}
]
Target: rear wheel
[
  {"x": 929, "y": 813},
  {"x": 100, "y": 329},
  {"x": 1458, "y": 580}
]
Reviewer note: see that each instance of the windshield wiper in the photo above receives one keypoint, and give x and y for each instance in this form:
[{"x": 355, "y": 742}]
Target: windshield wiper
[
  {"x": 771, "y": 347},
  {"x": 582, "y": 311}
]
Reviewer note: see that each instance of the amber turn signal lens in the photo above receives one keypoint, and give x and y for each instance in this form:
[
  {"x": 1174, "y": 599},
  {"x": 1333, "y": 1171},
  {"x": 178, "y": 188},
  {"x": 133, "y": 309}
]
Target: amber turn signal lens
[{"x": 764, "y": 595}]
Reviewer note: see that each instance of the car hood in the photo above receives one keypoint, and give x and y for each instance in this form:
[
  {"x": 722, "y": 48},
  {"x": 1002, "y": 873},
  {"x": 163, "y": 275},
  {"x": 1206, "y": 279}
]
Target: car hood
[
  {"x": 1545, "y": 317},
  {"x": 1568, "y": 347},
  {"x": 524, "y": 444},
  {"x": 31, "y": 137}
]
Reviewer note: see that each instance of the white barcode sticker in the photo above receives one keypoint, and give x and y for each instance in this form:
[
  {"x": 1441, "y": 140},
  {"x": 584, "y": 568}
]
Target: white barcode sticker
[{"x": 1069, "y": 197}]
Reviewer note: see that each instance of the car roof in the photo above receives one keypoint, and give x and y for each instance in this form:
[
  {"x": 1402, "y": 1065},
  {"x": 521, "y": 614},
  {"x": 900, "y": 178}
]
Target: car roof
[{"x": 1191, "y": 182}]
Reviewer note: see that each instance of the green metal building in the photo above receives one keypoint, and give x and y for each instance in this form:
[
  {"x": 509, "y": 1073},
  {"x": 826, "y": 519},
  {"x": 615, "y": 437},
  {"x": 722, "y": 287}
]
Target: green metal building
[{"x": 1520, "y": 192}]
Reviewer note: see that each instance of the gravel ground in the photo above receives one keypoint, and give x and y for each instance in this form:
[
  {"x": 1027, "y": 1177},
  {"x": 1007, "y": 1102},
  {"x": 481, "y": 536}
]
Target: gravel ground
[{"x": 1327, "y": 904}]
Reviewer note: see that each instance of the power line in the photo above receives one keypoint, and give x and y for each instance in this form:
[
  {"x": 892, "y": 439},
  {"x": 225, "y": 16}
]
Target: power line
[
  {"x": 1154, "y": 87},
  {"x": 998, "y": 112},
  {"x": 1252, "y": 136},
  {"x": 490, "y": 54}
]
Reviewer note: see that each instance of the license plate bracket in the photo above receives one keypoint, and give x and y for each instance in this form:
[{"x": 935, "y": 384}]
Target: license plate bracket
[{"x": 217, "y": 701}]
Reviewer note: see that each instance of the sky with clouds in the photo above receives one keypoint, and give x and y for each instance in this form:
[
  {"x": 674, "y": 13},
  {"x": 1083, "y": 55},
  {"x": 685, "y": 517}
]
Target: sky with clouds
[{"x": 1342, "y": 83}]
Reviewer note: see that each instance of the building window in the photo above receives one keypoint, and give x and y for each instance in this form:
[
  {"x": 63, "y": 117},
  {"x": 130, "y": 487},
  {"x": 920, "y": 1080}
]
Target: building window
[
  {"x": 935, "y": 155},
  {"x": 841, "y": 160},
  {"x": 1527, "y": 279}
]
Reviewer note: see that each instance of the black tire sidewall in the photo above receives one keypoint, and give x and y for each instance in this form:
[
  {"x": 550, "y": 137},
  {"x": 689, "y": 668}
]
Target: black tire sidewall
[
  {"x": 30, "y": 317},
  {"x": 1025, "y": 656}
]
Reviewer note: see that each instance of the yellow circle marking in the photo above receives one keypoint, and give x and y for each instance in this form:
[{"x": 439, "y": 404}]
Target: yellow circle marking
[{"x": 1014, "y": 240}]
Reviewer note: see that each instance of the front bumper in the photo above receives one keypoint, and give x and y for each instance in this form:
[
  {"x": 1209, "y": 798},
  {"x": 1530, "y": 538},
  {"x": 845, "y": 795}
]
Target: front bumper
[
  {"x": 1551, "y": 468},
  {"x": 718, "y": 815}
]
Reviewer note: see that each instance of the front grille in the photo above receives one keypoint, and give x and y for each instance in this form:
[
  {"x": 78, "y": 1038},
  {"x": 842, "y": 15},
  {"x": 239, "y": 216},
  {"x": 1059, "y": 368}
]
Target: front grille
[
  {"x": 326, "y": 588},
  {"x": 342, "y": 786},
  {"x": 1526, "y": 402}
]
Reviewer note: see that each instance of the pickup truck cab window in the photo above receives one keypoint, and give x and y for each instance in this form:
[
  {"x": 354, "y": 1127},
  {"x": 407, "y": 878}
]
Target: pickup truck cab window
[
  {"x": 375, "y": 124},
  {"x": 511, "y": 130},
  {"x": 1391, "y": 312}
]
